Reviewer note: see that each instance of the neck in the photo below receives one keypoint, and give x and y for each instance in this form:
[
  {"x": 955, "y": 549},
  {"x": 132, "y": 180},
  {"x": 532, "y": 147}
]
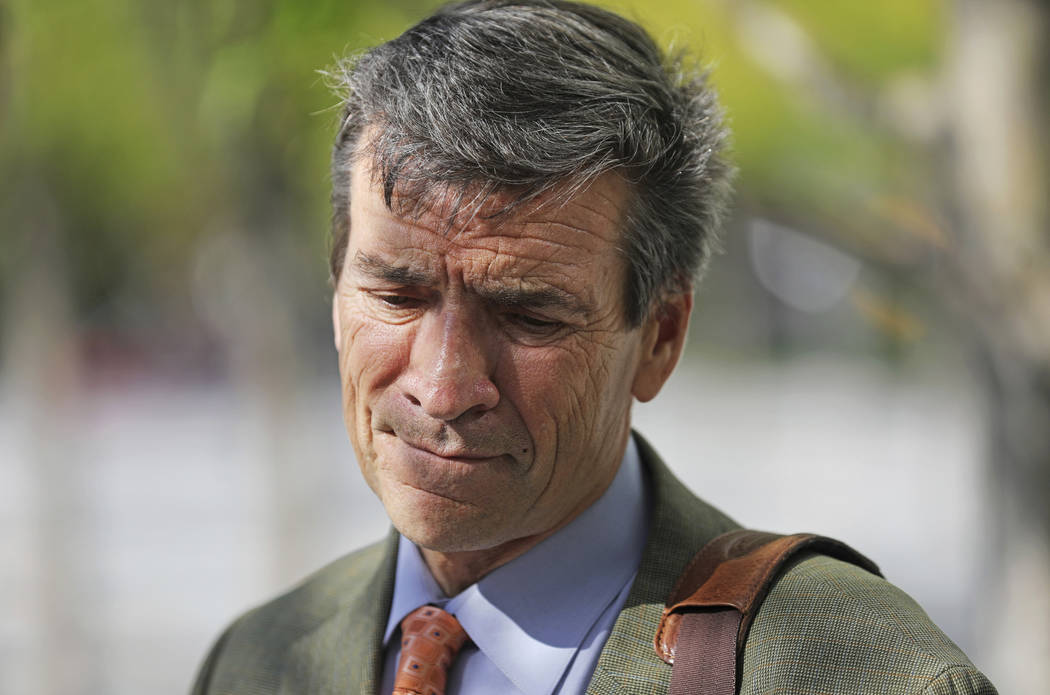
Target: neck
[{"x": 455, "y": 571}]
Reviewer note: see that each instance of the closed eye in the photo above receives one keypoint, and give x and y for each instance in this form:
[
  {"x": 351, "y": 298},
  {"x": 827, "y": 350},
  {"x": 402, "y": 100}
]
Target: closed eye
[
  {"x": 394, "y": 299},
  {"x": 532, "y": 323}
]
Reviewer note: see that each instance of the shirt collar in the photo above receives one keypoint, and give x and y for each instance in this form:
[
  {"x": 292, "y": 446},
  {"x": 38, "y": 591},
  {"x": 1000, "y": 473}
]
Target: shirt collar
[{"x": 530, "y": 615}]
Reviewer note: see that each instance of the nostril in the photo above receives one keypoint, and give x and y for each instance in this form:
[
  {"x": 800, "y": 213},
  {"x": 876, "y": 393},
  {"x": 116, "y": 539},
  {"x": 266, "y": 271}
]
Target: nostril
[{"x": 412, "y": 399}]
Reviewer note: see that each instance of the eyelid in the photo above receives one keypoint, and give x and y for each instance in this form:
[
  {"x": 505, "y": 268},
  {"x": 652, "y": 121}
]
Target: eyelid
[
  {"x": 395, "y": 298},
  {"x": 530, "y": 318},
  {"x": 538, "y": 325},
  {"x": 388, "y": 297}
]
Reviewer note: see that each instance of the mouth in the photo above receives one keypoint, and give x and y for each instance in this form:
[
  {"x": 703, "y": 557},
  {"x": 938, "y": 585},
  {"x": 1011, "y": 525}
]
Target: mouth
[
  {"x": 443, "y": 442},
  {"x": 462, "y": 471},
  {"x": 450, "y": 453}
]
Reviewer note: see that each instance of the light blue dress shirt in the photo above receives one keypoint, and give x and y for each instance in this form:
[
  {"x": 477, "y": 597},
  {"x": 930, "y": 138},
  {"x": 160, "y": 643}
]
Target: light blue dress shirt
[{"x": 538, "y": 623}]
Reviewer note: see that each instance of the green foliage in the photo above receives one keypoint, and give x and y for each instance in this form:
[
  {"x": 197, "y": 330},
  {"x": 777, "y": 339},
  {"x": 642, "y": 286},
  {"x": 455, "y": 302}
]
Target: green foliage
[
  {"x": 811, "y": 147},
  {"x": 149, "y": 124},
  {"x": 874, "y": 41}
]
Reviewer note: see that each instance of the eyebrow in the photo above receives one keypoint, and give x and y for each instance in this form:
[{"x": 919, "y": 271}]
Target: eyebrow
[
  {"x": 526, "y": 298},
  {"x": 381, "y": 270},
  {"x": 502, "y": 295}
]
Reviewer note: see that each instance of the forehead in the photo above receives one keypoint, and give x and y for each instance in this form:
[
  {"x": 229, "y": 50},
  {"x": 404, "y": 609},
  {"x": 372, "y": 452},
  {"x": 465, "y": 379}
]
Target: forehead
[{"x": 557, "y": 234}]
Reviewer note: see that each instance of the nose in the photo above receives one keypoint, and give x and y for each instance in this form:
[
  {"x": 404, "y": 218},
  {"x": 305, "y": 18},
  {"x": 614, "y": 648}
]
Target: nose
[{"x": 451, "y": 365}]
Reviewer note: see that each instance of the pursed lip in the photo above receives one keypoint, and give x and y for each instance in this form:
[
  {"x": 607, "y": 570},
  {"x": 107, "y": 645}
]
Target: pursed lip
[{"x": 452, "y": 454}]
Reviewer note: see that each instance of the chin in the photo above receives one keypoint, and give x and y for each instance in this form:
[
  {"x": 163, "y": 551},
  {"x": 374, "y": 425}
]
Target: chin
[
  {"x": 452, "y": 528},
  {"x": 445, "y": 540}
]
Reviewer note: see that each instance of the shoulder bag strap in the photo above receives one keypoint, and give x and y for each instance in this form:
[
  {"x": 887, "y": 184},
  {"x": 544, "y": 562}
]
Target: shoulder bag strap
[{"x": 707, "y": 616}]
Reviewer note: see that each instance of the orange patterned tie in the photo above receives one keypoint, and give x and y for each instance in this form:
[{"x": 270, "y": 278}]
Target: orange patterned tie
[{"x": 430, "y": 640}]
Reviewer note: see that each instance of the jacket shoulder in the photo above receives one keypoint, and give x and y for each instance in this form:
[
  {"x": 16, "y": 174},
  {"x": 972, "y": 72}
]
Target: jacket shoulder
[
  {"x": 829, "y": 626},
  {"x": 250, "y": 656}
]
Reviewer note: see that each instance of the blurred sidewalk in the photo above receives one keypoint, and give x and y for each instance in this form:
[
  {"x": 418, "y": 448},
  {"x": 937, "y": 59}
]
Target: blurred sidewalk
[{"x": 166, "y": 523}]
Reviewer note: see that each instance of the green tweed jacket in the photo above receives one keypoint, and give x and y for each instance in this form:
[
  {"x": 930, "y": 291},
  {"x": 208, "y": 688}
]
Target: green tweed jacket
[{"x": 826, "y": 626}]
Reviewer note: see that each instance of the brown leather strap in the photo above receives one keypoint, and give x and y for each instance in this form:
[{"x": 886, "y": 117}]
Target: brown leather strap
[
  {"x": 706, "y": 653},
  {"x": 720, "y": 591}
]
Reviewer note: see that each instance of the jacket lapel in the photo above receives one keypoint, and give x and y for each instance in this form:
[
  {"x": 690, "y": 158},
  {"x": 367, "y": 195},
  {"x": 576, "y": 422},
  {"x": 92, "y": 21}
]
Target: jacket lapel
[{"x": 344, "y": 654}]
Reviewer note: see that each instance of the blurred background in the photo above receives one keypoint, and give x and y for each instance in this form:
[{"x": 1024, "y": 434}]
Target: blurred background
[{"x": 870, "y": 356}]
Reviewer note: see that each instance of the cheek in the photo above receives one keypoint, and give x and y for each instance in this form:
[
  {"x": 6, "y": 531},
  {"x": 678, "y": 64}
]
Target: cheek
[
  {"x": 373, "y": 356},
  {"x": 556, "y": 390}
]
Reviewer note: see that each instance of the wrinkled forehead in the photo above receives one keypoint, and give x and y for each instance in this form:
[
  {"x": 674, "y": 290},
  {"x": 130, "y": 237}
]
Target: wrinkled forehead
[{"x": 594, "y": 211}]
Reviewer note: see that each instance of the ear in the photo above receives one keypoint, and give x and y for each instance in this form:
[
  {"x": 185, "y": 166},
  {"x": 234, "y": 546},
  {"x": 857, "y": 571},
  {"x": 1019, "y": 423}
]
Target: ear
[
  {"x": 337, "y": 326},
  {"x": 663, "y": 337}
]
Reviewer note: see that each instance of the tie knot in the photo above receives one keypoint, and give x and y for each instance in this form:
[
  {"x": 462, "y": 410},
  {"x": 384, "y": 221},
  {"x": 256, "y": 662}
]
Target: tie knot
[{"x": 430, "y": 640}]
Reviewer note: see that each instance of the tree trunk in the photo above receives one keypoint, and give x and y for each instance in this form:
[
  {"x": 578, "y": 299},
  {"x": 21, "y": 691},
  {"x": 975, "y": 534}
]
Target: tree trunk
[{"x": 998, "y": 67}]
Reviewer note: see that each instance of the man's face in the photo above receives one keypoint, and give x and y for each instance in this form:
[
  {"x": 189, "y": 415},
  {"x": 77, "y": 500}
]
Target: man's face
[{"x": 487, "y": 370}]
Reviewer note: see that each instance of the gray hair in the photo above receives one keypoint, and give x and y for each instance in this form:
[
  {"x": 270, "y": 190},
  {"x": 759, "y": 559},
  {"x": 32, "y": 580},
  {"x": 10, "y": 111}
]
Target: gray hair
[{"x": 524, "y": 96}]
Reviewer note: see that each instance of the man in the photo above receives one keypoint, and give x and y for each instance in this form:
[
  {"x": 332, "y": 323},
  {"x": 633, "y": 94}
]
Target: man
[{"x": 523, "y": 194}]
